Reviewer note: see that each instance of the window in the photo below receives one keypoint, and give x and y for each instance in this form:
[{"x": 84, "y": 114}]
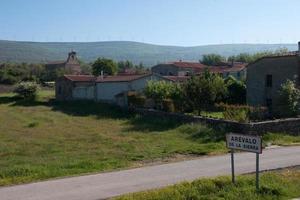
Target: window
[
  {"x": 269, "y": 81},
  {"x": 239, "y": 74}
]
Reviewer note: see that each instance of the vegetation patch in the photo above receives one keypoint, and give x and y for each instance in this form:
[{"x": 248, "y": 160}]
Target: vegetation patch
[
  {"x": 41, "y": 138},
  {"x": 274, "y": 185}
]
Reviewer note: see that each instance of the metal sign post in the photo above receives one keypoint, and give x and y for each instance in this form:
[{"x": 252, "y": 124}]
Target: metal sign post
[
  {"x": 248, "y": 143},
  {"x": 232, "y": 166},
  {"x": 257, "y": 172}
]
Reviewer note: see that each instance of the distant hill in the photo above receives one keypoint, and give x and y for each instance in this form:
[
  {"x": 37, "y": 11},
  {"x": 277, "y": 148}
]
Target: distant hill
[{"x": 149, "y": 54}]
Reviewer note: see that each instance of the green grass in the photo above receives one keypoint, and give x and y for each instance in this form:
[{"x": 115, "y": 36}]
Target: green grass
[
  {"x": 274, "y": 185},
  {"x": 44, "y": 139},
  {"x": 218, "y": 115}
]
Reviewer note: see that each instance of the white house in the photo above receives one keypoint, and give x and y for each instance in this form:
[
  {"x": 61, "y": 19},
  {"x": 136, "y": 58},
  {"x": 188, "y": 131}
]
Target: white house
[{"x": 102, "y": 88}]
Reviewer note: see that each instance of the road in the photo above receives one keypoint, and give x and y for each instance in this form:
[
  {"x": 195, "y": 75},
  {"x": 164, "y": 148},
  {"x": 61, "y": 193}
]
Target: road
[{"x": 105, "y": 185}]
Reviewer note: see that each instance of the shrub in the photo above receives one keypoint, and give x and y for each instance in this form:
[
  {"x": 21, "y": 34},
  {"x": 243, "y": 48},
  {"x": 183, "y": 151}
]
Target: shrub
[
  {"x": 26, "y": 90},
  {"x": 287, "y": 103},
  {"x": 168, "y": 105},
  {"x": 236, "y": 91},
  {"x": 201, "y": 93},
  {"x": 233, "y": 114},
  {"x": 242, "y": 113},
  {"x": 160, "y": 91},
  {"x": 136, "y": 100}
]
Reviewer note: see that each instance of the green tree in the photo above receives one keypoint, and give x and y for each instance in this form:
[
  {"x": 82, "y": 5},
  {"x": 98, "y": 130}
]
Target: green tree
[
  {"x": 108, "y": 66},
  {"x": 201, "y": 93},
  {"x": 236, "y": 91},
  {"x": 287, "y": 103},
  {"x": 212, "y": 59}
]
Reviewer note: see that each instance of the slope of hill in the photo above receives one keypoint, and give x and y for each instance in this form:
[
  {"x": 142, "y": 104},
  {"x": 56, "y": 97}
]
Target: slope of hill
[{"x": 149, "y": 54}]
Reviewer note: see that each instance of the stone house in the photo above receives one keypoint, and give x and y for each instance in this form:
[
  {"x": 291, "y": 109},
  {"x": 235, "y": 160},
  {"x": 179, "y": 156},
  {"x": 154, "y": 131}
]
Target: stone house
[
  {"x": 102, "y": 88},
  {"x": 266, "y": 75},
  {"x": 180, "y": 69},
  {"x": 69, "y": 66}
]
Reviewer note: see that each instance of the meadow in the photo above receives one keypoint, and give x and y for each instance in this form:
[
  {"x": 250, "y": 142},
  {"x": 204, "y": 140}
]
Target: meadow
[{"x": 42, "y": 139}]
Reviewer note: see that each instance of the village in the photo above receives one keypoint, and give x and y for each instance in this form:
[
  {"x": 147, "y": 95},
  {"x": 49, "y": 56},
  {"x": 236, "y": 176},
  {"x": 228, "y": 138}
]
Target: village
[{"x": 149, "y": 100}]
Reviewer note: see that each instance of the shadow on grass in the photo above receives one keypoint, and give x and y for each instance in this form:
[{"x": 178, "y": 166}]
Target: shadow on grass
[
  {"x": 99, "y": 110},
  {"x": 150, "y": 123}
]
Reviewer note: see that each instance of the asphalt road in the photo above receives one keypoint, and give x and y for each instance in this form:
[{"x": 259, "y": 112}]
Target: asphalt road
[{"x": 105, "y": 185}]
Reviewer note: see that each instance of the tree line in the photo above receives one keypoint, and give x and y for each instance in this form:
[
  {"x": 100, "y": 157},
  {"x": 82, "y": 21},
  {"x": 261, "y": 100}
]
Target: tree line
[{"x": 12, "y": 73}]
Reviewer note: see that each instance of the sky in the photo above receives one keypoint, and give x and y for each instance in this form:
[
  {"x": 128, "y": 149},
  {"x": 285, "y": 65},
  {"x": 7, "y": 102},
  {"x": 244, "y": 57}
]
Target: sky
[{"x": 164, "y": 22}]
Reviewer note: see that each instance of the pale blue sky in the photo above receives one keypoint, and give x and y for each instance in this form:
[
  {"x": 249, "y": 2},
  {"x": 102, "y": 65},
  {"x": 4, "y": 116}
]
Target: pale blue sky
[{"x": 168, "y": 22}]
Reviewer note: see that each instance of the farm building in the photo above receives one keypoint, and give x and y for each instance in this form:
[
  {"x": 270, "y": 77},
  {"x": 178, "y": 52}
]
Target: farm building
[{"x": 102, "y": 88}]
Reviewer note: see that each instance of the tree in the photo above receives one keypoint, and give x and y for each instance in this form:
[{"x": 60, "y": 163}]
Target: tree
[
  {"x": 212, "y": 59},
  {"x": 202, "y": 92},
  {"x": 108, "y": 66},
  {"x": 236, "y": 91},
  {"x": 287, "y": 103},
  {"x": 161, "y": 91},
  {"x": 26, "y": 90}
]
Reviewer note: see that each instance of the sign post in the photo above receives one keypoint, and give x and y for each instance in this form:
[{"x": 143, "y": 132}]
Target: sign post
[
  {"x": 232, "y": 166},
  {"x": 248, "y": 143}
]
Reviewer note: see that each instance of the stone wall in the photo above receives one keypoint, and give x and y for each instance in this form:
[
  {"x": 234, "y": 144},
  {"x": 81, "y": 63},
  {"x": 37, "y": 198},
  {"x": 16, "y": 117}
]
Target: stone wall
[{"x": 291, "y": 126}]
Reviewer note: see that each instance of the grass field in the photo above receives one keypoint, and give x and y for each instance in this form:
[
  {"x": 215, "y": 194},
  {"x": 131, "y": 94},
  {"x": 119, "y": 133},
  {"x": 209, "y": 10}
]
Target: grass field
[
  {"x": 273, "y": 185},
  {"x": 43, "y": 139}
]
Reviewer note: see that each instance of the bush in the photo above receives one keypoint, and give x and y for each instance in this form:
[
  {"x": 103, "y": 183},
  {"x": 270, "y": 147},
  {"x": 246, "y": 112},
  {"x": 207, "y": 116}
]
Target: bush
[
  {"x": 163, "y": 92},
  {"x": 26, "y": 90},
  {"x": 233, "y": 114},
  {"x": 287, "y": 103},
  {"x": 236, "y": 91},
  {"x": 242, "y": 113},
  {"x": 136, "y": 100},
  {"x": 202, "y": 92},
  {"x": 168, "y": 105}
]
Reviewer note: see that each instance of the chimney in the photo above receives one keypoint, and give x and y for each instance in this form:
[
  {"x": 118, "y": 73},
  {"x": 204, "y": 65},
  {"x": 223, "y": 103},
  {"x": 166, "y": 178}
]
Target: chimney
[{"x": 101, "y": 75}]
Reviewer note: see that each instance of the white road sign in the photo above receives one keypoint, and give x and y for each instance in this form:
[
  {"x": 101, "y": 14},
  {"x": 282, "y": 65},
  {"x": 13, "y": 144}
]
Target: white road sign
[{"x": 244, "y": 142}]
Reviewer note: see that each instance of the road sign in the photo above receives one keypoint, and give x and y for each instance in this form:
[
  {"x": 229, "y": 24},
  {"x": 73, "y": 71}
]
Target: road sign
[
  {"x": 248, "y": 143},
  {"x": 242, "y": 142}
]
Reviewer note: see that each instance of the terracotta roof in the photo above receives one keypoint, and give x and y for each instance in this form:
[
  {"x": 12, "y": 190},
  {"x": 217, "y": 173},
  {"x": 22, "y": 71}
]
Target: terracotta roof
[
  {"x": 121, "y": 78},
  {"x": 80, "y": 78},
  {"x": 222, "y": 69},
  {"x": 187, "y": 64}
]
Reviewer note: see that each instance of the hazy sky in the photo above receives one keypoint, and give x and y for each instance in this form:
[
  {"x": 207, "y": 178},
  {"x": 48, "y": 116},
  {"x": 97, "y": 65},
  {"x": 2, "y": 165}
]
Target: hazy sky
[{"x": 170, "y": 22}]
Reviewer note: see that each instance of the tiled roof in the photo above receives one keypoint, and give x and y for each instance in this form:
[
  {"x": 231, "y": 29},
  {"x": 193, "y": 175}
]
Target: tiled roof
[
  {"x": 80, "y": 78},
  {"x": 188, "y": 64},
  {"x": 120, "y": 78},
  {"x": 222, "y": 69},
  {"x": 117, "y": 78}
]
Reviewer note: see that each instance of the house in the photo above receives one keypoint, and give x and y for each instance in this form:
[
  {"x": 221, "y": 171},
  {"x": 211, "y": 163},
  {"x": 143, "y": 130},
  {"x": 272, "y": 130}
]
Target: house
[
  {"x": 70, "y": 87},
  {"x": 180, "y": 69},
  {"x": 266, "y": 75},
  {"x": 69, "y": 66},
  {"x": 237, "y": 70},
  {"x": 177, "y": 68},
  {"x": 102, "y": 88}
]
